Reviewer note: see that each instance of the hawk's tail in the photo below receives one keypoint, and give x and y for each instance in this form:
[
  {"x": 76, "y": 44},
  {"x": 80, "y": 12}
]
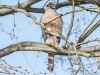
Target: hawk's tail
[{"x": 50, "y": 62}]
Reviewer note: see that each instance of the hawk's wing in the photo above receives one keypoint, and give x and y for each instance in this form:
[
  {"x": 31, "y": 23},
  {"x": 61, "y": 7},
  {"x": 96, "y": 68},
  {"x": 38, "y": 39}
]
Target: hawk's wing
[{"x": 54, "y": 26}]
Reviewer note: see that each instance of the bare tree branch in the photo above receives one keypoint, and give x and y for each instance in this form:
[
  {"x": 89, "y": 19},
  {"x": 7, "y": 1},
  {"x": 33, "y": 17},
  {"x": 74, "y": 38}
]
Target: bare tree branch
[
  {"x": 3, "y": 67},
  {"x": 26, "y": 6},
  {"x": 71, "y": 24},
  {"x": 6, "y": 11},
  {"x": 69, "y": 3},
  {"x": 28, "y": 3},
  {"x": 81, "y": 39},
  {"x": 33, "y": 46},
  {"x": 89, "y": 25}
]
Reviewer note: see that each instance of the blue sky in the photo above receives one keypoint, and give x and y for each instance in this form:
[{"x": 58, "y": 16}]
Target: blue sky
[{"x": 27, "y": 30}]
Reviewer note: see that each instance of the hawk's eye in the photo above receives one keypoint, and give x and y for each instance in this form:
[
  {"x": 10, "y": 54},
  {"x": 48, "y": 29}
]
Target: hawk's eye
[{"x": 51, "y": 6}]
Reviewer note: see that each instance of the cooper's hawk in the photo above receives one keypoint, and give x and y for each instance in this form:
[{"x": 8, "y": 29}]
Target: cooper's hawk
[{"x": 55, "y": 27}]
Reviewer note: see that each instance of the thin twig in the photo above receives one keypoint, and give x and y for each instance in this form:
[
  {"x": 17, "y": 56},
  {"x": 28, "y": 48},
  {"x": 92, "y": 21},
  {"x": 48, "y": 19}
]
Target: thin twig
[
  {"x": 84, "y": 71},
  {"x": 88, "y": 26},
  {"x": 77, "y": 71},
  {"x": 71, "y": 25},
  {"x": 70, "y": 62},
  {"x": 77, "y": 57},
  {"x": 85, "y": 42},
  {"x": 81, "y": 39},
  {"x": 3, "y": 67}
]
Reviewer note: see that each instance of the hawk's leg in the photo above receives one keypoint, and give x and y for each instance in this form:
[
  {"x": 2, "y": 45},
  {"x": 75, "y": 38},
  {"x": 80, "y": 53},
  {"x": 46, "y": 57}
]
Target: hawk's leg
[
  {"x": 52, "y": 41},
  {"x": 53, "y": 45}
]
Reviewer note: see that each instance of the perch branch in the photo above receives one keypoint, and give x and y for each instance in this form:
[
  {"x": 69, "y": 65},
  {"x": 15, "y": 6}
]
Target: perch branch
[{"x": 33, "y": 46}]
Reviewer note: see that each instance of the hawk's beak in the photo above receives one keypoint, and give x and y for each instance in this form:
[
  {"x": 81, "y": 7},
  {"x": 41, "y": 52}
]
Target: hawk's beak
[{"x": 54, "y": 7}]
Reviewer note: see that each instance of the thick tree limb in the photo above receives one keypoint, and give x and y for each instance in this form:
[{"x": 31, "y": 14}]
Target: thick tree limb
[
  {"x": 69, "y": 3},
  {"x": 28, "y": 3},
  {"x": 25, "y": 5},
  {"x": 33, "y": 46},
  {"x": 35, "y": 10}
]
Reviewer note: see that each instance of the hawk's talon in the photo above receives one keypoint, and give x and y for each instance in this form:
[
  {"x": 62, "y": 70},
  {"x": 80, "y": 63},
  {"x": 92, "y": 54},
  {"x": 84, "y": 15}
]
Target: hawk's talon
[{"x": 53, "y": 45}]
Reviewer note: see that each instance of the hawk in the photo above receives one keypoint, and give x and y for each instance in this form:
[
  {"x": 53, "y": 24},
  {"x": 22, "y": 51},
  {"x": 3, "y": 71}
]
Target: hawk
[{"x": 55, "y": 27}]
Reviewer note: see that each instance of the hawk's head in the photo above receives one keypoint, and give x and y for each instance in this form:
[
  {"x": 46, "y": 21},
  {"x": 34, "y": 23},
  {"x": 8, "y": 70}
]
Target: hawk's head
[{"x": 51, "y": 6}]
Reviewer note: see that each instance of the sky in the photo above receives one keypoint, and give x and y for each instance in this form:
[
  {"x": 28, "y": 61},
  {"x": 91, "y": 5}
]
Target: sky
[{"x": 27, "y": 30}]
